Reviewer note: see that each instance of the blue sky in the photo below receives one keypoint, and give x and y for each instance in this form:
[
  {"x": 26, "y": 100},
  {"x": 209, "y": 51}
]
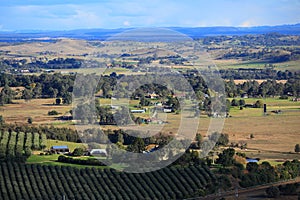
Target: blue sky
[{"x": 77, "y": 14}]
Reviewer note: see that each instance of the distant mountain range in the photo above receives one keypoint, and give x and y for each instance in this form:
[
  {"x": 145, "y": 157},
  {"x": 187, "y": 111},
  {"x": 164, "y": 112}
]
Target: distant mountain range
[{"x": 102, "y": 34}]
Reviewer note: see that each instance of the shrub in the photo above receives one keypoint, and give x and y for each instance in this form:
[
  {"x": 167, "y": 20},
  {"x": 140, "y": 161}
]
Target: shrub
[
  {"x": 78, "y": 152},
  {"x": 297, "y": 148},
  {"x": 283, "y": 97},
  {"x": 258, "y": 104},
  {"x": 53, "y": 112},
  {"x": 273, "y": 192},
  {"x": 289, "y": 189},
  {"x": 29, "y": 120}
]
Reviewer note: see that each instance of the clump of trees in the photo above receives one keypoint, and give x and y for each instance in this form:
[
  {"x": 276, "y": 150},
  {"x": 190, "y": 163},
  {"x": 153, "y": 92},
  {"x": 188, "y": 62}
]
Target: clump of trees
[
  {"x": 257, "y": 174},
  {"x": 265, "y": 173},
  {"x": 273, "y": 192},
  {"x": 289, "y": 189},
  {"x": 226, "y": 157}
]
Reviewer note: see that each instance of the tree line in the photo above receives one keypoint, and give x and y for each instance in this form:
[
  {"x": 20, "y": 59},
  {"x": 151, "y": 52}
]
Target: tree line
[{"x": 61, "y": 86}]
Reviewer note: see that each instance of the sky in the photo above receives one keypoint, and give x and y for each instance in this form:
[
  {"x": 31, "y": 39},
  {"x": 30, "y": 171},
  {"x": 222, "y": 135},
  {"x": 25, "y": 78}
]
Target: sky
[{"x": 84, "y": 14}]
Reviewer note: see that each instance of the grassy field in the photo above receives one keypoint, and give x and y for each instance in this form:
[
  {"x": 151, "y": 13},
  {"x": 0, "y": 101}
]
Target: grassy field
[
  {"x": 42, "y": 159},
  {"x": 71, "y": 145},
  {"x": 52, "y": 160},
  {"x": 275, "y": 132},
  {"x": 98, "y": 71},
  {"x": 236, "y": 64}
]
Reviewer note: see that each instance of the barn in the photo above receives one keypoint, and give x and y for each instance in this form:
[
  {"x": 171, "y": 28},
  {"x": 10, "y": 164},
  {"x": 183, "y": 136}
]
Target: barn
[{"x": 60, "y": 149}]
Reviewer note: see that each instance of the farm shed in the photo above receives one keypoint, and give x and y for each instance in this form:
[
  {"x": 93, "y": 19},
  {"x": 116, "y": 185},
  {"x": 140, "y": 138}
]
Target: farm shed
[
  {"x": 98, "y": 152},
  {"x": 60, "y": 149}
]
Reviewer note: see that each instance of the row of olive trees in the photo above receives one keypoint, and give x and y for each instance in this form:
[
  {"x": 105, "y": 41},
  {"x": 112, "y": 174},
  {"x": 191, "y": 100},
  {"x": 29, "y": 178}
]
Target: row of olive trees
[
  {"x": 18, "y": 145},
  {"x": 20, "y": 181}
]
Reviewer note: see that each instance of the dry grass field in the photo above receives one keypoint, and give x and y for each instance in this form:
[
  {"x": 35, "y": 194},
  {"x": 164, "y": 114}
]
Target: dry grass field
[
  {"x": 37, "y": 109},
  {"x": 259, "y": 81}
]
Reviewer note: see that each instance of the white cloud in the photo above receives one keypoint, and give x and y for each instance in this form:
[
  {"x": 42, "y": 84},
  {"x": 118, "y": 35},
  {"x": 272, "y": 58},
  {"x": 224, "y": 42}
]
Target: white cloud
[
  {"x": 248, "y": 23},
  {"x": 126, "y": 23},
  {"x": 134, "y": 13}
]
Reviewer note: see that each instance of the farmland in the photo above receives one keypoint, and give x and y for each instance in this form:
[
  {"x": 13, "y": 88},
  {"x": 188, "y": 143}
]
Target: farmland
[
  {"x": 279, "y": 131},
  {"x": 37, "y": 113},
  {"x": 37, "y": 109}
]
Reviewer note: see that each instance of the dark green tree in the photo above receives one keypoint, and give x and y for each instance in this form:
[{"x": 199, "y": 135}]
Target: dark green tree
[
  {"x": 138, "y": 146},
  {"x": 228, "y": 105},
  {"x": 2, "y": 121},
  {"x": 258, "y": 104},
  {"x": 198, "y": 139},
  {"x": 273, "y": 192},
  {"x": 144, "y": 101},
  {"x": 29, "y": 120},
  {"x": 58, "y": 101},
  {"x": 235, "y": 102},
  {"x": 6, "y": 95},
  {"x": 242, "y": 102},
  {"x": 226, "y": 157},
  {"x": 252, "y": 167},
  {"x": 223, "y": 139},
  {"x": 27, "y": 94},
  {"x": 78, "y": 152},
  {"x": 67, "y": 98}
]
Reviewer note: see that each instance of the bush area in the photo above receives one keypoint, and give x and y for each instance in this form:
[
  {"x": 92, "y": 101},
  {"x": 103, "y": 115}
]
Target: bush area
[
  {"x": 53, "y": 112},
  {"x": 256, "y": 174}
]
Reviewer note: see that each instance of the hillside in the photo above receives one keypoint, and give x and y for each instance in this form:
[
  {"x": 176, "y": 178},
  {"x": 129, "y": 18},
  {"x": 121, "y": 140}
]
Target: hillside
[{"x": 194, "y": 32}]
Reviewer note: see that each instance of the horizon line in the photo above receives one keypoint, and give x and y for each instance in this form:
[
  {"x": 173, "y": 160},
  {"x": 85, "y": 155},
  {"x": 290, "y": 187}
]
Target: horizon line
[{"x": 137, "y": 27}]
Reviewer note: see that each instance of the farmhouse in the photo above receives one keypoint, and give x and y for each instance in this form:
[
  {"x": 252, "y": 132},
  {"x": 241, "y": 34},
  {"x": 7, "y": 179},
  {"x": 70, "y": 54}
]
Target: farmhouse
[
  {"x": 152, "y": 95},
  {"x": 137, "y": 111},
  {"x": 167, "y": 109},
  {"x": 151, "y": 148},
  {"x": 244, "y": 95},
  {"x": 60, "y": 149}
]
